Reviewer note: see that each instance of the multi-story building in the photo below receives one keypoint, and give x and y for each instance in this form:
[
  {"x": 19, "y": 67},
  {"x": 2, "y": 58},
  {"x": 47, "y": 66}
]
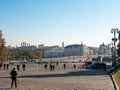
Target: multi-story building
[
  {"x": 93, "y": 50},
  {"x": 53, "y": 51},
  {"x": 104, "y": 49},
  {"x": 40, "y": 46},
  {"x": 27, "y": 46},
  {"x": 76, "y": 50}
]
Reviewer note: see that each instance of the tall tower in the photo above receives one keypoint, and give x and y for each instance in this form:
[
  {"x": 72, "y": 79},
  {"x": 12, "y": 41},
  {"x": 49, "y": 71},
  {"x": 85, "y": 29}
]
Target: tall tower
[{"x": 62, "y": 45}]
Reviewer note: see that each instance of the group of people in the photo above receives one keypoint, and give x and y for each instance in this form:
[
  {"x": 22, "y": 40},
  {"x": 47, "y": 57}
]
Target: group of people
[
  {"x": 23, "y": 66},
  {"x": 13, "y": 72},
  {"x": 5, "y": 66},
  {"x": 51, "y": 66}
]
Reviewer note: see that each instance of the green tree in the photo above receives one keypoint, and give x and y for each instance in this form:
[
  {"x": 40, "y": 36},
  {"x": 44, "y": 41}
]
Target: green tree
[
  {"x": 38, "y": 54},
  {"x": 24, "y": 54},
  {"x": 118, "y": 47}
]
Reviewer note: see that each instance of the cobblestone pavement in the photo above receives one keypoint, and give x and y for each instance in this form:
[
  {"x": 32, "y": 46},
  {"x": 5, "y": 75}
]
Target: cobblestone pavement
[{"x": 36, "y": 78}]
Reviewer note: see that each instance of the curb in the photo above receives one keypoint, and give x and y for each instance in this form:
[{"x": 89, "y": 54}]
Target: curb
[{"x": 115, "y": 83}]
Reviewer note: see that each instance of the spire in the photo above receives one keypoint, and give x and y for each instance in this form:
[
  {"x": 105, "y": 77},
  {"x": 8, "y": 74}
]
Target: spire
[
  {"x": 81, "y": 42},
  {"x": 0, "y": 34},
  {"x": 62, "y": 45}
]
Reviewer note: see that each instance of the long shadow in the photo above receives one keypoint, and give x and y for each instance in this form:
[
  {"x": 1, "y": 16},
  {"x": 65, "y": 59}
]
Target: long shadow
[
  {"x": 4, "y": 88},
  {"x": 75, "y": 73}
]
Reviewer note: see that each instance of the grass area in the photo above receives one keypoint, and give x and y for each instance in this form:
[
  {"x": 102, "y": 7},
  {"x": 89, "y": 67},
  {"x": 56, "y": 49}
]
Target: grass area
[
  {"x": 117, "y": 74},
  {"x": 117, "y": 77}
]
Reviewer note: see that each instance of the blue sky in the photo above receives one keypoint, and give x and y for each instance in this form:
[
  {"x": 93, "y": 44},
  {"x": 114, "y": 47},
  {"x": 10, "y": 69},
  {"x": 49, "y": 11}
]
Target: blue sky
[{"x": 52, "y": 22}]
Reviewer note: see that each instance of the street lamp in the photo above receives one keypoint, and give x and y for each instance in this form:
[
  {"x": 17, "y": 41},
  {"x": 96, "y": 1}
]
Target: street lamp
[
  {"x": 112, "y": 49},
  {"x": 114, "y": 39}
]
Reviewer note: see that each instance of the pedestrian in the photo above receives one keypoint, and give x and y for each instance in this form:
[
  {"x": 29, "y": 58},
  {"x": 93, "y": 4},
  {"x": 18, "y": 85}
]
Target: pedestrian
[
  {"x": 7, "y": 66},
  {"x": 45, "y": 66},
  {"x": 74, "y": 66},
  {"x": 0, "y": 65},
  {"x": 51, "y": 68},
  {"x": 13, "y": 74},
  {"x": 57, "y": 63},
  {"x": 64, "y": 66},
  {"x": 18, "y": 67},
  {"x": 23, "y": 67},
  {"x": 4, "y": 66}
]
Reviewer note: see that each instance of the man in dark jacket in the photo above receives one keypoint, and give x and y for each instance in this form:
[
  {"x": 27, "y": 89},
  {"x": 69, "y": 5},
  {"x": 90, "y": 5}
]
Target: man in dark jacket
[{"x": 13, "y": 74}]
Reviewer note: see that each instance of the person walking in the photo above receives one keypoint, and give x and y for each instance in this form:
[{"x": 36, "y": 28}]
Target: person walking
[
  {"x": 0, "y": 65},
  {"x": 18, "y": 67},
  {"x": 64, "y": 66},
  {"x": 7, "y": 66},
  {"x": 13, "y": 74},
  {"x": 4, "y": 66},
  {"x": 51, "y": 68},
  {"x": 74, "y": 66},
  {"x": 45, "y": 66},
  {"x": 23, "y": 66}
]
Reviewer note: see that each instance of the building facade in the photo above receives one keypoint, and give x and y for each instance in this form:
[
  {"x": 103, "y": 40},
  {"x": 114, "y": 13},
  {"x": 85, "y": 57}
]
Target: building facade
[
  {"x": 104, "y": 49},
  {"x": 76, "y": 50},
  {"x": 54, "y": 51}
]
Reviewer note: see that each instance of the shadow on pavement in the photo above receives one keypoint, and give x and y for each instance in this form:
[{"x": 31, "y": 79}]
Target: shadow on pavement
[
  {"x": 75, "y": 73},
  {"x": 4, "y": 88}
]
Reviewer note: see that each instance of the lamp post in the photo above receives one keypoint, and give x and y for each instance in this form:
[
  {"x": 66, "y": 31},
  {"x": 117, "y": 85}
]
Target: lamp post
[
  {"x": 112, "y": 49},
  {"x": 114, "y": 39}
]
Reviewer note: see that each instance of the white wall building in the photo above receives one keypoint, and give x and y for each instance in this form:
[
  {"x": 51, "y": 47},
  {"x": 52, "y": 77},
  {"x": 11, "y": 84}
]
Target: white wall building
[
  {"x": 76, "y": 50},
  {"x": 54, "y": 51}
]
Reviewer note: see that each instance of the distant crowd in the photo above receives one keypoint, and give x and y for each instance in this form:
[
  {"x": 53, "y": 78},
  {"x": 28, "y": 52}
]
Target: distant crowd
[
  {"x": 50, "y": 66},
  {"x": 46, "y": 66}
]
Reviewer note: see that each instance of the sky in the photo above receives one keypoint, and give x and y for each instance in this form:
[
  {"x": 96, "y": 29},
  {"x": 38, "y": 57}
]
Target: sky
[{"x": 51, "y": 22}]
